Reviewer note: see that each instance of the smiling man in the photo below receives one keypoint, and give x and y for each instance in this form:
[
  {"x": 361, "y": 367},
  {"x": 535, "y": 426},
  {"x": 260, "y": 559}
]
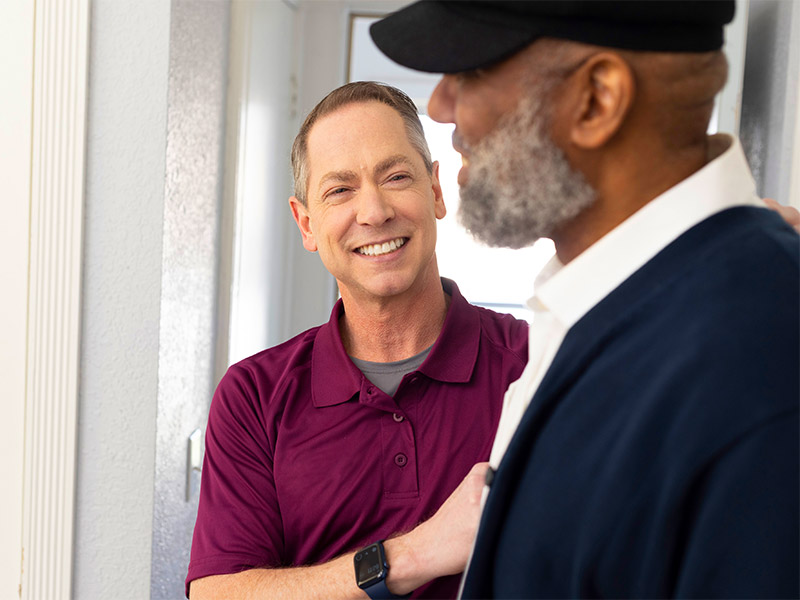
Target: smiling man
[
  {"x": 321, "y": 450},
  {"x": 651, "y": 447}
]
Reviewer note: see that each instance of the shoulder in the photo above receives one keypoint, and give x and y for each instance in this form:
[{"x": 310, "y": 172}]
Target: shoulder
[
  {"x": 753, "y": 242},
  {"x": 254, "y": 383},
  {"x": 504, "y": 332},
  {"x": 734, "y": 274},
  {"x": 745, "y": 278},
  {"x": 498, "y": 332},
  {"x": 275, "y": 361},
  {"x": 714, "y": 324}
]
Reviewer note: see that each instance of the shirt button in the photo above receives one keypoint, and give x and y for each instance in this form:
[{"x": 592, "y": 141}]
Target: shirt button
[
  {"x": 398, "y": 418},
  {"x": 400, "y": 459},
  {"x": 370, "y": 390}
]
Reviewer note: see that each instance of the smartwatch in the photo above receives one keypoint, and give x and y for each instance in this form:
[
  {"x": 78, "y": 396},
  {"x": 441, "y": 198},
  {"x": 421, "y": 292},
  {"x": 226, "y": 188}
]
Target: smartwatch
[{"x": 371, "y": 571}]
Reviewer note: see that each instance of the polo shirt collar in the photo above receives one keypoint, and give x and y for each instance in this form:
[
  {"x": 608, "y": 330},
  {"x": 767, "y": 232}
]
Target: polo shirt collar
[
  {"x": 335, "y": 379},
  {"x": 453, "y": 356}
]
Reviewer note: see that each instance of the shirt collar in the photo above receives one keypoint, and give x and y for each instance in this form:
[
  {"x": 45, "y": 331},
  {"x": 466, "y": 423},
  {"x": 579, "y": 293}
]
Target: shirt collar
[
  {"x": 335, "y": 379},
  {"x": 453, "y": 356},
  {"x": 570, "y": 291}
]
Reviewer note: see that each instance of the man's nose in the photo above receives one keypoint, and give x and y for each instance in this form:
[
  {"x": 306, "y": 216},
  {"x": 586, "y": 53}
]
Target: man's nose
[
  {"x": 441, "y": 102},
  {"x": 374, "y": 207}
]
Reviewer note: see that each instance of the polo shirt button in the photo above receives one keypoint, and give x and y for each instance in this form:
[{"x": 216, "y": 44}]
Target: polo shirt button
[
  {"x": 370, "y": 390},
  {"x": 398, "y": 418},
  {"x": 400, "y": 459}
]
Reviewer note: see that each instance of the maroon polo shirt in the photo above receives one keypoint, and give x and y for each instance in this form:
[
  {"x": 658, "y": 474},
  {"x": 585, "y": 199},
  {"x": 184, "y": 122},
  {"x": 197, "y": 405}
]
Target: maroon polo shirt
[{"x": 306, "y": 459}]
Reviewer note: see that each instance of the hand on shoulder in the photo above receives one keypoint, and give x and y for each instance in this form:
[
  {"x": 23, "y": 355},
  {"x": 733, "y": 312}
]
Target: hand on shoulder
[{"x": 789, "y": 213}]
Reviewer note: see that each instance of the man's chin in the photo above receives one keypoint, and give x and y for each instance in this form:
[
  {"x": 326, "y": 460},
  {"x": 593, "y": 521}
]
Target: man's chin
[{"x": 463, "y": 175}]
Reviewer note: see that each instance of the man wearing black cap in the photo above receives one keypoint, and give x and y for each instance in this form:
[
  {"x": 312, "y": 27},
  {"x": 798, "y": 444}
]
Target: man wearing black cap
[{"x": 651, "y": 446}]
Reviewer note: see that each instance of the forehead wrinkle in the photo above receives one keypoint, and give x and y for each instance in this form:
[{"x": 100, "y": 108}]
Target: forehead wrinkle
[
  {"x": 348, "y": 176},
  {"x": 392, "y": 161}
]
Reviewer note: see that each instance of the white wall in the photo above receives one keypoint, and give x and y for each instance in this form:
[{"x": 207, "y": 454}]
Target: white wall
[
  {"x": 16, "y": 73},
  {"x": 127, "y": 118}
]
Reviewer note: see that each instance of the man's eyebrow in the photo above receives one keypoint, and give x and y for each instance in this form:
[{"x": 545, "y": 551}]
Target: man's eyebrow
[
  {"x": 347, "y": 176},
  {"x": 338, "y": 176},
  {"x": 391, "y": 162}
]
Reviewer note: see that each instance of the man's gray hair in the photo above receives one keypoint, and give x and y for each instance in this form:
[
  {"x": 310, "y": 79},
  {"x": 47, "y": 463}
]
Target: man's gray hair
[{"x": 351, "y": 93}]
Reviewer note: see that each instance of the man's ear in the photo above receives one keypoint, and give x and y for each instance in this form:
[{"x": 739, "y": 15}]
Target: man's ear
[
  {"x": 439, "y": 208},
  {"x": 603, "y": 89},
  {"x": 303, "y": 220}
]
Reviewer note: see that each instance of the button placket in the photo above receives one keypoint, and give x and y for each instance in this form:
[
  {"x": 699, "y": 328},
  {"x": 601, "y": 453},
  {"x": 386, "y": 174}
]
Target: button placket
[{"x": 399, "y": 456}]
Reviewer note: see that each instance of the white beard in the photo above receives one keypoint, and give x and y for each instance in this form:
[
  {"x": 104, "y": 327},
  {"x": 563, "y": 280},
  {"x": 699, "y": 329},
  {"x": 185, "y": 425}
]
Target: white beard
[{"x": 520, "y": 186}]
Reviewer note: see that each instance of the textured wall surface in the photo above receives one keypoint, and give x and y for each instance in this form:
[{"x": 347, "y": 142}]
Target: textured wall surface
[
  {"x": 126, "y": 141},
  {"x": 195, "y": 135},
  {"x": 769, "y": 94}
]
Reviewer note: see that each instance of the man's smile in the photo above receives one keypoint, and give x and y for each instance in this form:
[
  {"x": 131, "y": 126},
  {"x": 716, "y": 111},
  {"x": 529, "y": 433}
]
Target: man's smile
[{"x": 383, "y": 248}]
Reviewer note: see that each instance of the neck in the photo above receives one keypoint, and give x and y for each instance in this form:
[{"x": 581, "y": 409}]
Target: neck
[
  {"x": 624, "y": 186},
  {"x": 387, "y": 330}
]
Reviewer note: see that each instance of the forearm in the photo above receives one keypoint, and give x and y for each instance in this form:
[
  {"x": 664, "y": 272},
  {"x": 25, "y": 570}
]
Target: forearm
[
  {"x": 334, "y": 580},
  {"x": 438, "y": 547}
]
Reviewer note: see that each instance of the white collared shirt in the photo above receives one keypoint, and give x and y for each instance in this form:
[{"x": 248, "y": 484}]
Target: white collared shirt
[{"x": 565, "y": 293}]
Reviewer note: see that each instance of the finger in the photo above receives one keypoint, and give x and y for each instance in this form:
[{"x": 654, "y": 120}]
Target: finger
[{"x": 789, "y": 214}]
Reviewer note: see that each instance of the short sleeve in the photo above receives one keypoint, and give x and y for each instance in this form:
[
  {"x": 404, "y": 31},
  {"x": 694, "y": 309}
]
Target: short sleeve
[{"x": 238, "y": 521}]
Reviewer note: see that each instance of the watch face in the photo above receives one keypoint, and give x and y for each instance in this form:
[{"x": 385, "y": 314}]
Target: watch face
[{"x": 369, "y": 566}]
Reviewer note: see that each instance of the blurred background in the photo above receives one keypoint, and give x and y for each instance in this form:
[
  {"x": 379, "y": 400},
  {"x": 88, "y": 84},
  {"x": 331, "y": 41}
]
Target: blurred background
[{"x": 147, "y": 244}]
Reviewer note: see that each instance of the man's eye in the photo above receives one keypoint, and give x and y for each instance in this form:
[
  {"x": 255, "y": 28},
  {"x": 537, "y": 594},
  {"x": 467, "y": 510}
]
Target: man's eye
[
  {"x": 401, "y": 177},
  {"x": 336, "y": 192}
]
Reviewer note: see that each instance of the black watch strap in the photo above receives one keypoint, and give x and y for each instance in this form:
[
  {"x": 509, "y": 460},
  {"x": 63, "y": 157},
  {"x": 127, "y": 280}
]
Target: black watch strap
[{"x": 379, "y": 591}]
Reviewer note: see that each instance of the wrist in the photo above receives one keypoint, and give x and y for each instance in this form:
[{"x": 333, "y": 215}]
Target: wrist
[
  {"x": 407, "y": 569},
  {"x": 372, "y": 572}
]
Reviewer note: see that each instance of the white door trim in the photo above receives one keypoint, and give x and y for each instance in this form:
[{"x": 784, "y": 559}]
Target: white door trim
[
  {"x": 58, "y": 133},
  {"x": 16, "y": 74}
]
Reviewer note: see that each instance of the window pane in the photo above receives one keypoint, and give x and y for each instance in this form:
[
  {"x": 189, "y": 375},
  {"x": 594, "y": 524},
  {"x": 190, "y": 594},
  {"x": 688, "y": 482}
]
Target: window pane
[{"x": 498, "y": 278}]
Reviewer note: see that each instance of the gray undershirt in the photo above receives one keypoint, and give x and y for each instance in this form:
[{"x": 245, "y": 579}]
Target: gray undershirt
[{"x": 388, "y": 375}]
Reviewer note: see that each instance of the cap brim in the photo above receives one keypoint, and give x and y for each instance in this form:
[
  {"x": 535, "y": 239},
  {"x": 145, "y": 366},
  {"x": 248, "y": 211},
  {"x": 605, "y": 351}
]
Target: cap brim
[{"x": 425, "y": 36}]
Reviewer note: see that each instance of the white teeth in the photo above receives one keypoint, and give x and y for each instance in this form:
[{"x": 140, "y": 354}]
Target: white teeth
[{"x": 378, "y": 249}]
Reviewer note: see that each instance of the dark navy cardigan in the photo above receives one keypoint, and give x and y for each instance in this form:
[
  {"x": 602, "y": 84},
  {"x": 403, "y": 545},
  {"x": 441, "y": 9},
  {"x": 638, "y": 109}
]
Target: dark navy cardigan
[{"x": 659, "y": 456}]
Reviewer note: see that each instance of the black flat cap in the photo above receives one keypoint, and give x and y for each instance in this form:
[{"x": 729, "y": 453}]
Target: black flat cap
[{"x": 448, "y": 36}]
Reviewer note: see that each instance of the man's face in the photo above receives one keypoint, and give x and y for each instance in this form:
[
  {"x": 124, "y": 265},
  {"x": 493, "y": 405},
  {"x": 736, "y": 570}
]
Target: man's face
[
  {"x": 372, "y": 206},
  {"x": 516, "y": 184}
]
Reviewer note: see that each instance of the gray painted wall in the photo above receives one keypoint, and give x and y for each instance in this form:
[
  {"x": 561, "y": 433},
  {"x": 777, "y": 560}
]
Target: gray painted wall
[
  {"x": 194, "y": 155},
  {"x": 126, "y": 142}
]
